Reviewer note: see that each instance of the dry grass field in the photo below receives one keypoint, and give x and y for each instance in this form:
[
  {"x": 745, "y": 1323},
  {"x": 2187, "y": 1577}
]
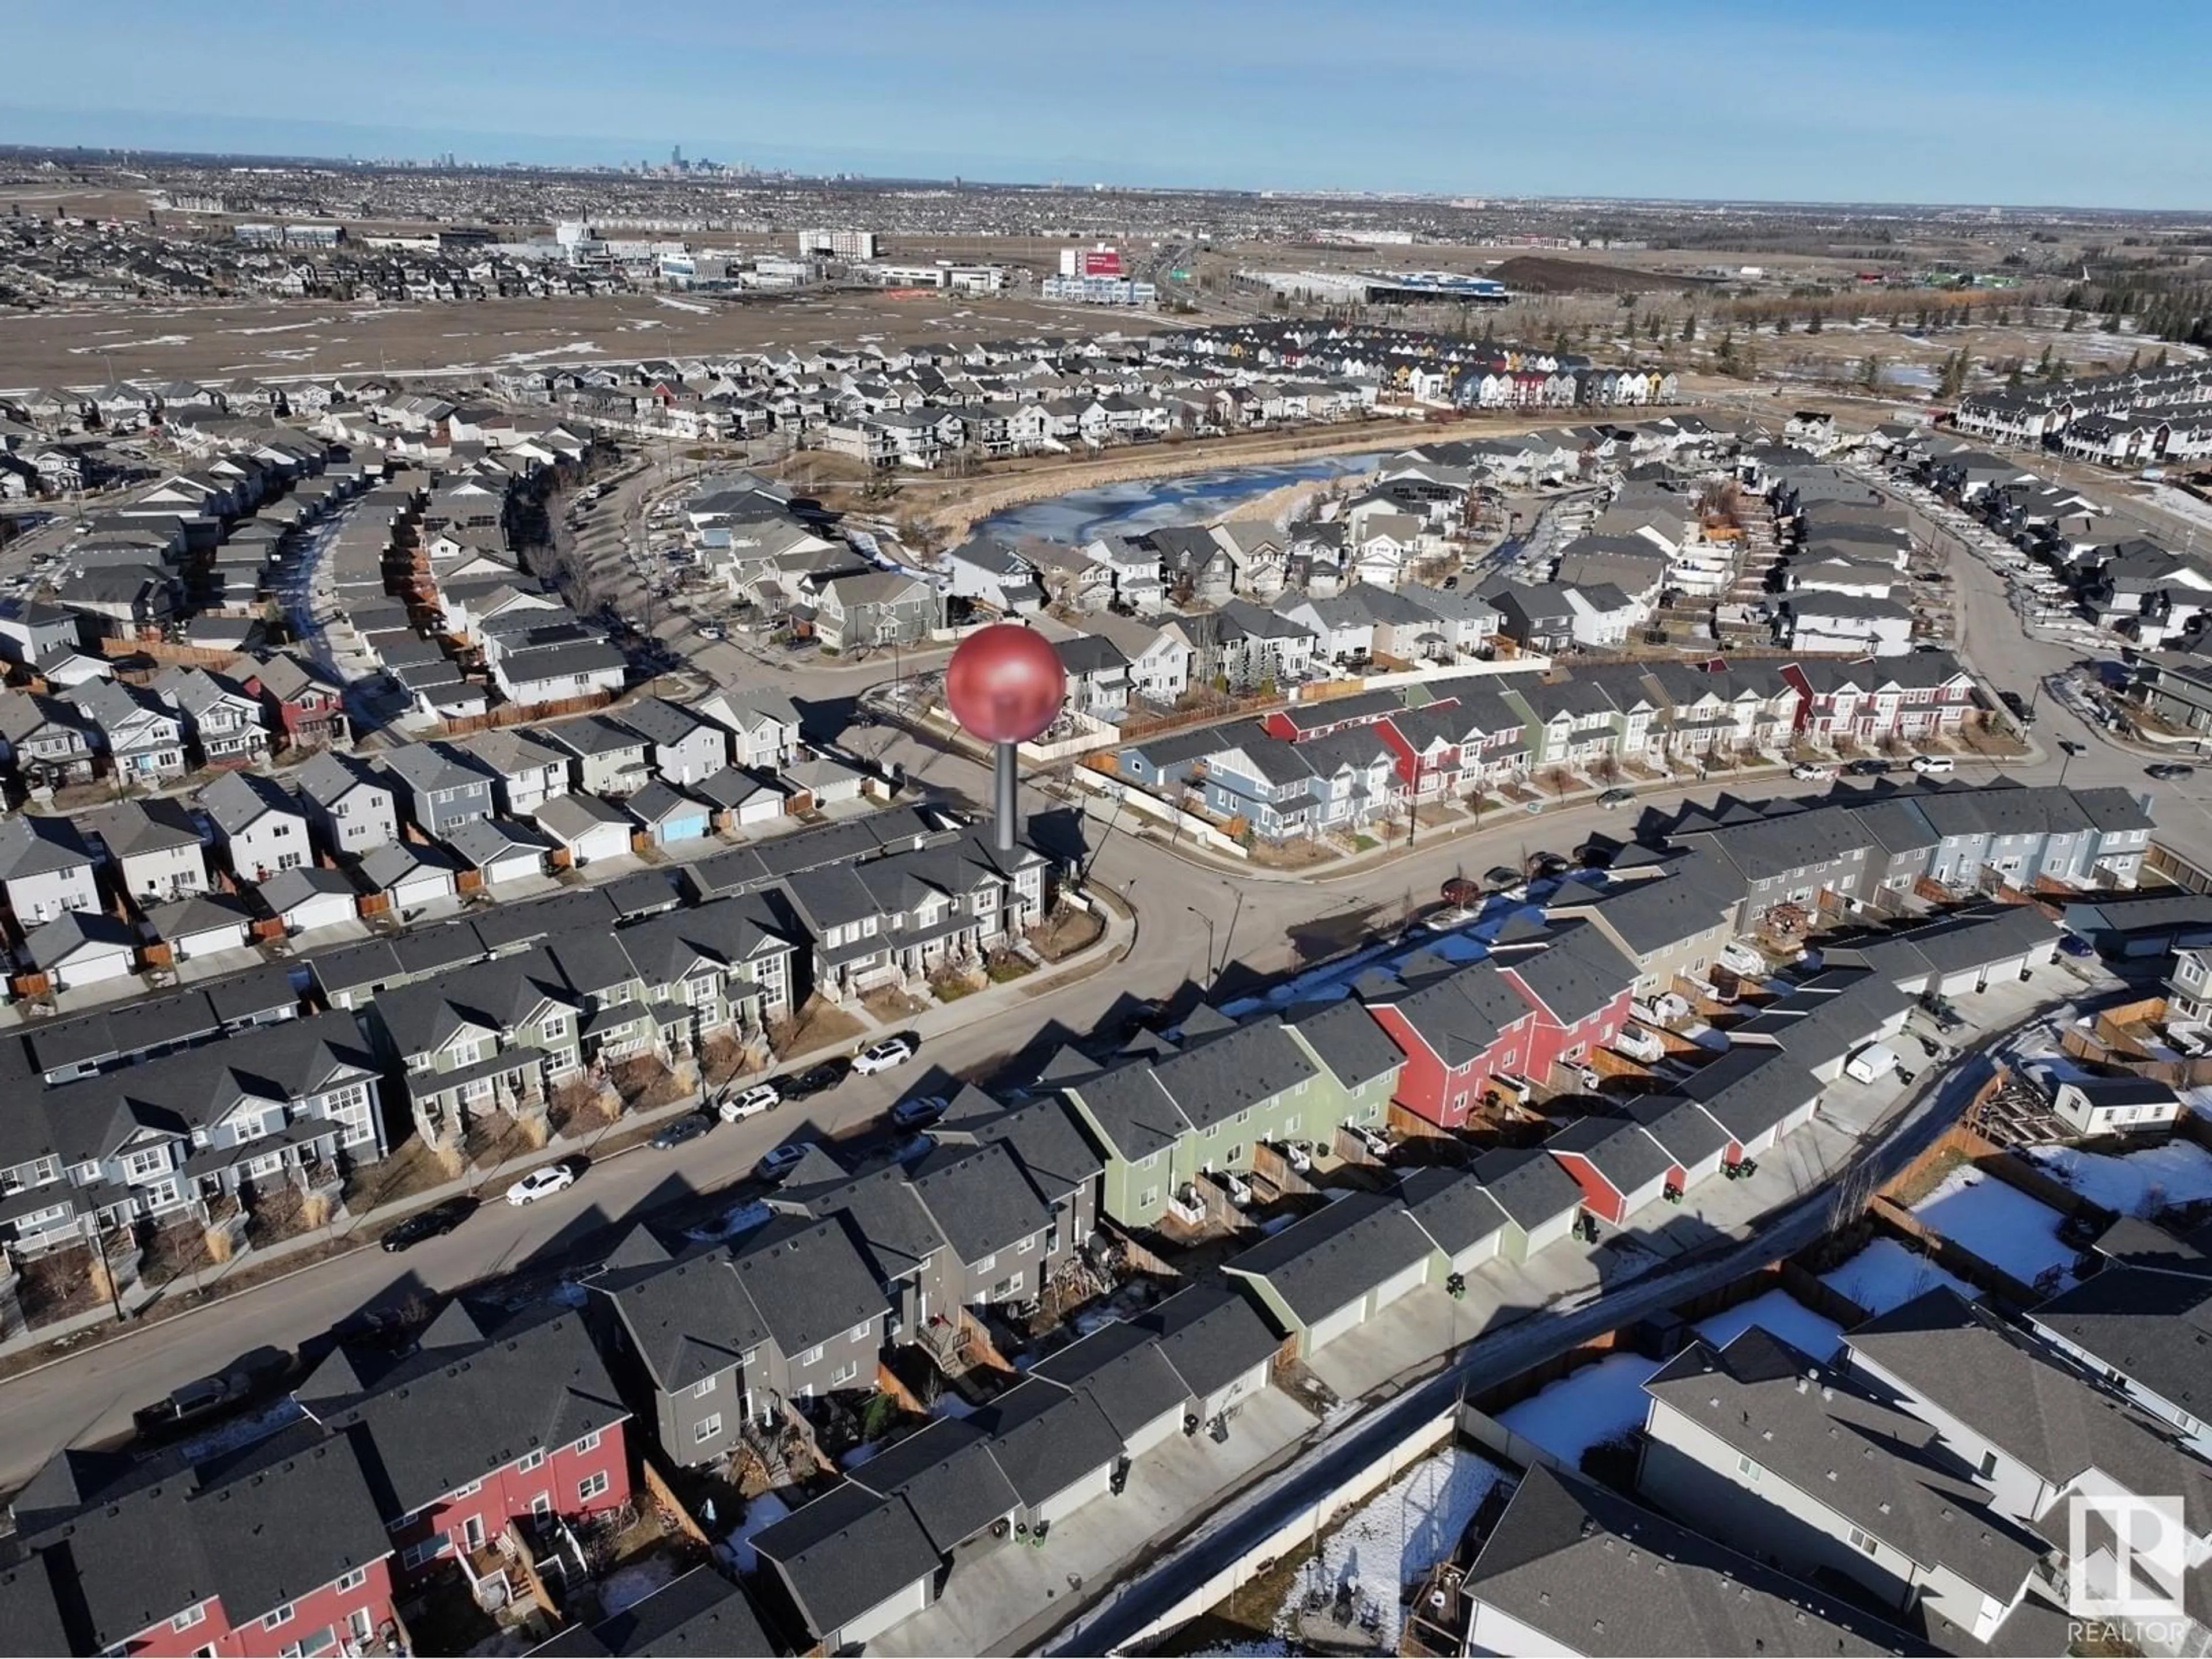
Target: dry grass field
[{"x": 258, "y": 339}]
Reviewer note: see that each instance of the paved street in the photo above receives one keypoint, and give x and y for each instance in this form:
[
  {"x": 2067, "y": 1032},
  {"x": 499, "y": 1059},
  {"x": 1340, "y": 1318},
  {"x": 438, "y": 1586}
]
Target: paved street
[{"x": 1202, "y": 926}]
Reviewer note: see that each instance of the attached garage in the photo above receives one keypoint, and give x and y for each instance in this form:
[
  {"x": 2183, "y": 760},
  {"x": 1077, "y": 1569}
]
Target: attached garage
[
  {"x": 308, "y": 898},
  {"x": 408, "y": 874},
  {"x": 1328, "y": 1274},
  {"x": 948, "y": 1477},
  {"x": 1462, "y": 1220},
  {"x": 1541, "y": 1200},
  {"x": 588, "y": 828},
  {"x": 1220, "y": 1346},
  {"x": 1619, "y": 1166},
  {"x": 1692, "y": 1139},
  {"x": 82, "y": 947},
  {"x": 669, "y": 816},
  {"x": 1056, "y": 1447},
  {"x": 1756, "y": 1095},
  {"x": 1122, "y": 1369},
  {"x": 855, "y": 1563},
  {"x": 201, "y": 926},
  {"x": 501, "y": 850}
]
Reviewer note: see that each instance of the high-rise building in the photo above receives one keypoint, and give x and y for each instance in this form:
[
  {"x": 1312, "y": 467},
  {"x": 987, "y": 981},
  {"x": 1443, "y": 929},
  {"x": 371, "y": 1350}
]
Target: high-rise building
[{"x": 838, "y": 244}]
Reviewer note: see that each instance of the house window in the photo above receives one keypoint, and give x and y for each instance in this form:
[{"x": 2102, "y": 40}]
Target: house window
[
  {"x": 353, "y": 1581},
  {"x": 811, "y": 1355},
  {"x": 1149, "y": 1199},
  {"x": 190, "y": 1616},
  {"x": 862, "y": 1331},
  {"x": 1860, "y": 1540},
  {"x": 845, "y": 1375},
  {"x": 145, "y": 1165},
  {"x": 706, "y": 1429},
  {"x": 528, "y": 1461},
  {"x": 592, "y": 1486},
  {"x": 984, "y": 1264},
  {"x": 428, "y": 1550},
  {"x": 703, "y": 1387},
  {"x": 1746, "y": 1469},
  {"x": 282, "y": 1615},
  {"x": 589, "y": 1443},
  {"x": 555, "y": 1027}
]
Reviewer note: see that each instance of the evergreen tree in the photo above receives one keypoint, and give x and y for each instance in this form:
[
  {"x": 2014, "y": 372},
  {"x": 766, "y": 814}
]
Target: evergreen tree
[
  {"x": 2012, "y": 375},
  {"x": 1870, "y": 372},
  {"x": 1813, "y": 324},
  {"x": 2043, "y": 363},
  {"x": 1725, "y": 354},
  {"x": 1690, "y": 325},
  {"x": 2159, "y": 362},
  {"x": 1954, "y": 379},
  {"x": 2135, "y": 360},
  {"x": 2073, "y": 318},
  {"x": 1782, "y": 324}
]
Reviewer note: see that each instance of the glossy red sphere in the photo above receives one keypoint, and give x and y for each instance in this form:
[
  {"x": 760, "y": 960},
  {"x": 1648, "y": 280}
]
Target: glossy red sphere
[{"x": 1004, "y": 684}]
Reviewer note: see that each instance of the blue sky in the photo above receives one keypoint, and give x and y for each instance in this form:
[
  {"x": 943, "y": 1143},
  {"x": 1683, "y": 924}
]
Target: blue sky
[{"x": 2030, "y": 102}]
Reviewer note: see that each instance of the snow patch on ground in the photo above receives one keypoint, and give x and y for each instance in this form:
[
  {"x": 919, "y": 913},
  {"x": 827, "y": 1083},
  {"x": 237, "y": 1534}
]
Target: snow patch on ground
[
  {"x": 692, "y": 305},
  {"x": 2133, "y": 1183},
  {"x": 763, "y": 1512},
  {"x": 241, "y": 1431},
  {"x": 2002, "y": 1224},
  {"x": 742, "y": 1219},
  {"x": 1395, "y": 1537},
  {"x": 625, "y": 1587},
  {"x": 1780, "y": 1314},
  {"x": 1887, "y": 1274},
  {"x": 1568, "y": 1417}
]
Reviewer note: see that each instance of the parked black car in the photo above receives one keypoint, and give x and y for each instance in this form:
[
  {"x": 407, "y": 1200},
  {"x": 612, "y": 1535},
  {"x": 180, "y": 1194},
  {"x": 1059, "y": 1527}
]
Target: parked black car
[
  {"x": 815, "y": 1078},
  {"x": 1867, "y": 767},
  {"x": 677, "y": 1130},
  {"x": 435, "y": 1222}
]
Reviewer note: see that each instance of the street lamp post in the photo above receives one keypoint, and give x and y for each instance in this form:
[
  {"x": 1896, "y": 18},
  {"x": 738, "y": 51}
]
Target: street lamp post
[
  {"x": 2069, "y": 748},
  {"x": 1208, "y": 920}
]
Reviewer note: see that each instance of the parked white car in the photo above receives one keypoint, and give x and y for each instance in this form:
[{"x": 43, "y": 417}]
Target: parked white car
[
  {"x": 541, "y": 1183},
  {"x": 883, "y": 1055},
  {"x": 1807, "y": 772},
  {"x": 749, "y": 1102},
  {"x": 1930, "y": 765}
]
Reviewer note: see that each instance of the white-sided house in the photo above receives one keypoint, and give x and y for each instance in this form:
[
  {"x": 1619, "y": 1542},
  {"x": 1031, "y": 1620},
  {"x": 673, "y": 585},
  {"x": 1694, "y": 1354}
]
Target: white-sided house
[
  {"x": 81, "y": 947},
  {"x": 45, "y": 869},
  {"x": 352, "y": 807},
  {"x": 259, "y": 824},
  {"x": 202, "y": 924},
  {"x": 153, "y": 846},
  {"x": 743, "y": 800},
  {"x": 1774, "y": 1451},
  {"x": 310, "y": 897},
  {"x": 763, "y": 726},
  {"x": 1839, "y": 623},
  {"x": 687, "y": 746},
  {"x": 588, "y": 829},
  {"x": 2115, "y": 1105}
]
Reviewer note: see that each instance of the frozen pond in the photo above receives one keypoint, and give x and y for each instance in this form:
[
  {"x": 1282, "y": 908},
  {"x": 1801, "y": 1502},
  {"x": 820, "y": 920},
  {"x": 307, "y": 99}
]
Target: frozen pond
[{"x": 1149, "y": 504}]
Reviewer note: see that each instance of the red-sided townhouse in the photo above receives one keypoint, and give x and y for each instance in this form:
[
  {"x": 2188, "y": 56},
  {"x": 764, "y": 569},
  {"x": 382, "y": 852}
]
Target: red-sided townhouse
[
  {"x": 1518, "y": 1013},
  {"x": 480, "y": 1426},
  {"x": 1579, "y": 982},
  {"x": 1458, "y": 1030},
  {"x": 279, "y": 1549},
  {"x": 306, "y": 709}
]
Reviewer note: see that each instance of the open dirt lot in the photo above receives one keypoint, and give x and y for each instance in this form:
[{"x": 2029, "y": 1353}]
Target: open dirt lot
[{"x": 270, "y": 339}]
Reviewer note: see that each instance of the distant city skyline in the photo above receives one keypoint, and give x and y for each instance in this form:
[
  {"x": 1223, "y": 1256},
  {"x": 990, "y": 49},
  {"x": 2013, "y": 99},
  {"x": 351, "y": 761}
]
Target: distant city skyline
[{"x": 1707, "y": 100}]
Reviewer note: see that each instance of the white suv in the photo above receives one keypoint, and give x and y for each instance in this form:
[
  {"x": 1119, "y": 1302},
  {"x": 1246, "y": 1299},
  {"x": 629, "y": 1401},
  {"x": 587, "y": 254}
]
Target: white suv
[
  {"x": 749, "y": 1102},
  {"x": 882, "y": 1056}
]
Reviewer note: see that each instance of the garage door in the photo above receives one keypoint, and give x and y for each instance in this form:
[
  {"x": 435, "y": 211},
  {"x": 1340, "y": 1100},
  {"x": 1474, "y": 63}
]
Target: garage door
[
  {"x": 879, "y": 1618},
  {"x": 1061, "y": 1504},
  {"x": 1961, "y": 984},
  {"x": 1146, "y": 1436},
  {"x": 91, "y": 970},
  {"x": 1398, "y": 1283},
  {"x": 1326, "y": 1330}
]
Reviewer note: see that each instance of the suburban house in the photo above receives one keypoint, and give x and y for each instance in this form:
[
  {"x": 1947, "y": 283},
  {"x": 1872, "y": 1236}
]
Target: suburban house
[
  {"x": 438, "y": 786},
  {"x": 223, "y": 718},
  {"x": 611, "y": 757},
  {"x": 299, "y": 703},
  {"x": 45, "y": 868},
  {"x": 142, "y": 738},
  {"x": 350, "y": 805},
  {"x": 151, "y": 848},
  {"x": 686, "y": 746},
  {"x": 260, "y": 824},
  {"x": 529, "y": 770}
]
